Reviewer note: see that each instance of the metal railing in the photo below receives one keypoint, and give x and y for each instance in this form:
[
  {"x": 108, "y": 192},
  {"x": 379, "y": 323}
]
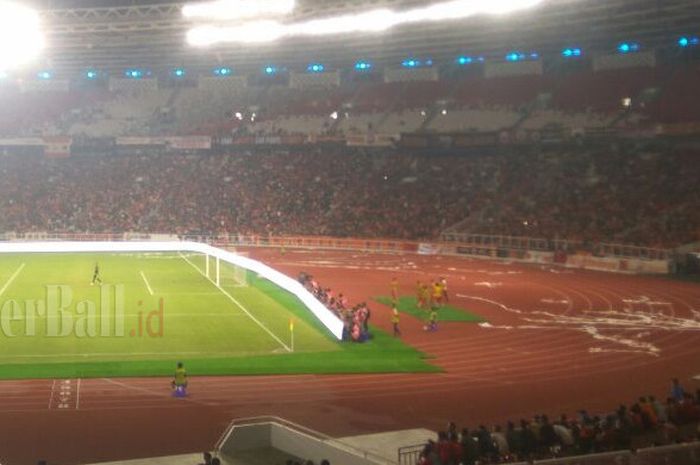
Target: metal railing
[{"x": 517, "y": 243}]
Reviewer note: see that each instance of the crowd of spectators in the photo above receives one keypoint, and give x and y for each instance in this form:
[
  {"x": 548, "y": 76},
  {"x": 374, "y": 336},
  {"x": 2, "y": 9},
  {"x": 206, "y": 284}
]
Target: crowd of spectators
[
  {"x": 355, "y": 319},
  {"x": 600, "y": 195},
  {"x": 646, "y": 422},
  {"x": 589, "y": 195}
]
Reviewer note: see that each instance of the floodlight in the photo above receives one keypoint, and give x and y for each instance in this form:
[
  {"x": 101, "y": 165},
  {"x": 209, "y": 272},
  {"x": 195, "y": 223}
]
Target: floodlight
[
  {"x": 369, "y": 21},
  {"x": 627, "y": 47},
  {"x": 464, "y": 60},
  {"x": 315, "y": 68},
  {"x": 237, "y": 9},
  {"x": 179, "y": 72},
  {"x": 45, "y": 75},
  {"x": 223, "y": 71},
  {"x": 685, "y": 41},
  {"x": 21, "y": 38},
  {"x": 571, "y": 52}
]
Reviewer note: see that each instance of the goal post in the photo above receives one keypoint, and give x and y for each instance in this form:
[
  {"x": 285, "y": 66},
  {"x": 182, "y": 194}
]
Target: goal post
[{"x": 227, "y": 274}]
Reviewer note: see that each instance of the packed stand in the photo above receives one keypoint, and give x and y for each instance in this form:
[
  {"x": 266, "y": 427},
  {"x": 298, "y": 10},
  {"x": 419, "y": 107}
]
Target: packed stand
[
  {"x": 601, "y": 195},
  {"x": 355, "y": 319},
  {"x": 645, "y": 423}
]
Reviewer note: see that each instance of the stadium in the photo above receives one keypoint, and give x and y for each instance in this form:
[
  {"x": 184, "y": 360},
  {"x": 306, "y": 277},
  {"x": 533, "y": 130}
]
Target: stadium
[{"x": 358, "y": 232}]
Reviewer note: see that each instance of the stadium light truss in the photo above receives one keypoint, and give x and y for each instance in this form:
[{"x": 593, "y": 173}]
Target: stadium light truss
[
  {"x": 21, "y": 39},
  {"x": 370, "y": 21},
  {"x": 237, "y": 9}
]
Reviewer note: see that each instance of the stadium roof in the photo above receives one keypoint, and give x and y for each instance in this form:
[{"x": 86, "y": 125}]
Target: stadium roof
[{"x": 130, "y": 34}]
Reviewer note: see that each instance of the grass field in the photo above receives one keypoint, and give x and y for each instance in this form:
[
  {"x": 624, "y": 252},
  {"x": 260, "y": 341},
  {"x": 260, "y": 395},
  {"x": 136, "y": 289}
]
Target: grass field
[
  {"x": 155, "y": 309},
  {"x": 408, "y": 304}
]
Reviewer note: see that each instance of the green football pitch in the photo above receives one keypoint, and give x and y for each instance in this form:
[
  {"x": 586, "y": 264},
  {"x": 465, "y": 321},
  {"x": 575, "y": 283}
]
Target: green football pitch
[{"x": 154, "y": 309}]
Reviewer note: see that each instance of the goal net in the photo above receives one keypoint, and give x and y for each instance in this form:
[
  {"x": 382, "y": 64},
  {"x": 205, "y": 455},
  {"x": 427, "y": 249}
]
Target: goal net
[{"x": 221, "y": 273}]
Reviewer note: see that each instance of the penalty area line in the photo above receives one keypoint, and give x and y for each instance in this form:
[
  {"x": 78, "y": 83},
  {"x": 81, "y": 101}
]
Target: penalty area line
[
  {"x": 233, "y": 299},
  {"x": 148, "y": 286},
  {"x": 12, "y": 278}
]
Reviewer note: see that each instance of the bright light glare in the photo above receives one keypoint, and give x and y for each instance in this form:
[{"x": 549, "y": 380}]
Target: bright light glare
[
  {"x": 369, "y": 21},
  {"x": 237, "y": 9},
  {"x": 256, "y": 31},
  {"x": 20, "y": 35}
]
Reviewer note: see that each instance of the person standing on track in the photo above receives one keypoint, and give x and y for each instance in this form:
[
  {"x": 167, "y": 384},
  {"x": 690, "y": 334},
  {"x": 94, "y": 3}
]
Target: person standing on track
[
  {"x": 443, "y": 281},
  {"x": 394, "y": 291},
  {"x": 395, "y": 322}
]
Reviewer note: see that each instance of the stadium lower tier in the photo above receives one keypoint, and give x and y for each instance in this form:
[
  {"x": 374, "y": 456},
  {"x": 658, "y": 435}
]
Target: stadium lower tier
[{"x": 620, "y": 195}]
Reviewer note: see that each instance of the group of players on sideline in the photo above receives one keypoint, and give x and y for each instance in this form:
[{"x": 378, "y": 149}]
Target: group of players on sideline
[
  {"x": 647, "y": 422},
  {"x": 429, "y": 297},
  {"x": 355, "y": 319}
]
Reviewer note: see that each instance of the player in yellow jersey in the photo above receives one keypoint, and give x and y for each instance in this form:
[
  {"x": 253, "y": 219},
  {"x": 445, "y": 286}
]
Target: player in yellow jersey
[
  {"x": 437, "y": 294},
  {"x": 179, "y": 384},
  {"x": 394, "y": 291},
  {"x": 395, "y": 322}
]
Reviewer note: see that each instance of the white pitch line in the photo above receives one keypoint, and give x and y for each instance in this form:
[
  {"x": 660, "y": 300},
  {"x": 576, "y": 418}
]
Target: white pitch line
[
  {"x": 148, "y": 286},
  {"x": 12, "y": 278},
  {"x": 223, "y": 291}
]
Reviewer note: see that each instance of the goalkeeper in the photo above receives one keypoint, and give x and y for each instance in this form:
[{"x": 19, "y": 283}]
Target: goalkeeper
[{"x": 96, "y": 275}]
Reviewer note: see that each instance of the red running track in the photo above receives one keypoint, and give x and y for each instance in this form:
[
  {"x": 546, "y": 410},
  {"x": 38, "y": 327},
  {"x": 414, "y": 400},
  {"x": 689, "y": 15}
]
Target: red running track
[{"x": 559, "y": 340}]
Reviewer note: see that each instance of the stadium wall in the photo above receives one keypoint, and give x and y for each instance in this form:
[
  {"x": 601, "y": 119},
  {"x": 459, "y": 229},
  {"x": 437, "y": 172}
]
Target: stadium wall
[{"x": 580, "y": 260}]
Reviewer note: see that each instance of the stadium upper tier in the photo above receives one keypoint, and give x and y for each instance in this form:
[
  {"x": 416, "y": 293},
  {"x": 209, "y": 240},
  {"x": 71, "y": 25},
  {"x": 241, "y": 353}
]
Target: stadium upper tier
[
  {"x": 581, "y": 101},
  {"x": 599, "y": 195}
]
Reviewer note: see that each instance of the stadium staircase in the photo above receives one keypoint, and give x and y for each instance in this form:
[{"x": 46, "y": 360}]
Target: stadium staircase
[{"x": 276, "y": 438}]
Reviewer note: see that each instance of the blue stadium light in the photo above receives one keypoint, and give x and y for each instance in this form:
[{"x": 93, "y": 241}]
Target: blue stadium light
[
  {"x": 133, "y": 73},
  {"x": 428, "y": 62},
  {"x": 571, "y": 52},
  {"x": 685, "y": 42},
  {"x": 223, "y": 71},
  {"x": 270, "y": 70},
  {"x": 627, "y": 47},
  {"x": 411, "y": 63},
  {"x": 315, "y": 68},
  {"x": 513, "y": 56},
  {"x": 179, "y": 72},
  {"x": 91, "y": 74},
  {"x": 480, "y": 59},
  {"x": 363, "y": 66},
  {"x": 44, "y": 75},
  {"x": 534, "y": 56},
  {"x": 464, "y": 60}
]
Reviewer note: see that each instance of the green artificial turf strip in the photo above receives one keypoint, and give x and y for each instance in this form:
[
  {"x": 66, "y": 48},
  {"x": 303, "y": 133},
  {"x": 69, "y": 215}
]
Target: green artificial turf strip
[
  {"x": 408, "y": 304},
  {"x": 202, "y": 327}
]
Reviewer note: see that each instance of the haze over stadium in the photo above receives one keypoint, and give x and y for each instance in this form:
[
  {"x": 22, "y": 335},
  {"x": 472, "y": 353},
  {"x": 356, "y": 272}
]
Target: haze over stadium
[{"x": 360, "y": 232}]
